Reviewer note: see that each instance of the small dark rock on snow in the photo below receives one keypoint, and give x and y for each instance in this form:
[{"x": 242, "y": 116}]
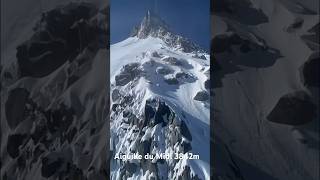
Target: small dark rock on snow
[{"x": 202, "y": 96}]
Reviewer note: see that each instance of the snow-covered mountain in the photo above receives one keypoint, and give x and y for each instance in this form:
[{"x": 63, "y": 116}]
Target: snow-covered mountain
[
  {"x": 54, "y": 69},
  {"x": 159, "y": 103}
]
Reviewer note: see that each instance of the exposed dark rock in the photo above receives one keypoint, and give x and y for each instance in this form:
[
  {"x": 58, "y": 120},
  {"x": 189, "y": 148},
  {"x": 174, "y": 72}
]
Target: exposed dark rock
[
  {"x": 128, "y": 73},
  {"x": 153, "y": 25},
  {"x": 186, "y": 175},
  {"x": 203, "y": 57},
  {"x": 75, "y": 173},
  {"x": 177, "y": 62},
  {"x": 159, "y": 111},
  {"x": 243, "y": 53},
  {"x": 126, "y": 101},
  {"x": 200, "y": 57},
  {"x": 15, "y": 106},
  {"x": 182, "y": 75},
  {"x": 134, "y": 31},
  {"x": 115, "y": 95},
  {"x": 174, "y": 137},
  {"x": 162, "y": 114},
  {"x": 172, "y": 81},
  {"x": 63, "y": 33},
  {"x": 312, "y": 38},
  {"x": 186, "y": 146},
  {"x": 207, "y": 84},
  {"x": 293, "y": 109},
  {"x": 133, "y": 119},
  {"x": 129, "y": 117},
  {"x": 185, "y": 131},
  {"x": 164, "y": 71},
  {"x": 310, "y": 71},
  {"x": 245, "y": 48},
  {"x": 131, "y": 168},
  {"x": 149, "y": 112},
  {"x": 173, "y": 61},
  {"x": 114, "y": 107},
  {"x": 21, "y": 162},
  {"x": 59, "y": 119},
  {"x": 145, "y": 147},
  {"x": 50, "y": 166},
  {"x": 202, "y": 96},
  {"x": 315, "y": 28},
  {"x": 39, "y": 132},
  {"x": 186, "y": 45},
  {"x": 126, "y": 113},
  {"x": 155, "y": 54},
  {"x": 222, "y": 43},
  {"x": 14, "y": 143},
  {"x": 37, "y": 152},
  {"x": 71, "y": 134},
  {"x": 123, "y": 79}
]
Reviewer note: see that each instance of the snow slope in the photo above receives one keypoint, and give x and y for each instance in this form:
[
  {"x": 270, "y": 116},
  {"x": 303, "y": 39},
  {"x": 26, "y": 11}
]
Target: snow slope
[{"x": 162, "y": 74}]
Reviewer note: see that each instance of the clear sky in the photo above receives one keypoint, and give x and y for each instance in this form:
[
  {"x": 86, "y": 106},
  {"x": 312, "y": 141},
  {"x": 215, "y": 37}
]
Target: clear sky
[{"x": 189, "y": 18}]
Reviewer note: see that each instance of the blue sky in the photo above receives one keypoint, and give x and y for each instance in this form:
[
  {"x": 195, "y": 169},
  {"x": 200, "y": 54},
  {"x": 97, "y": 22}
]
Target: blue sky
[{"x": 189, "y": 18}]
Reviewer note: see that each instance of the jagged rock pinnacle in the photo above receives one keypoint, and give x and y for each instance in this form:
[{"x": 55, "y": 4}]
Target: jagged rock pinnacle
[{"x": 151, "y": 25}]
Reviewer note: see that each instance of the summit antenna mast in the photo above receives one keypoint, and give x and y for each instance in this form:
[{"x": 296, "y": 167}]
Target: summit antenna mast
[{"x": 156, "y": 6}]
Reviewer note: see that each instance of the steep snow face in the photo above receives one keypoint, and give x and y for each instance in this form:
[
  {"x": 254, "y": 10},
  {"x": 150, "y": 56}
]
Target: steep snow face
[
  {"x": 188, "y": 69},
  {"x": 159, "y": 104}
]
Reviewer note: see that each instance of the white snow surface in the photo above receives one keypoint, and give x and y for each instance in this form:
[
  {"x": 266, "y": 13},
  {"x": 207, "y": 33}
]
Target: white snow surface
[
  {"x": 139, "y": 50},
  {"x": 178, "y": 96}
]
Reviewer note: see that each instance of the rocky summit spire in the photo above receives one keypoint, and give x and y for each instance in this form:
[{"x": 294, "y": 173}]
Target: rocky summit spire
[{"x": 151, "y": 25}]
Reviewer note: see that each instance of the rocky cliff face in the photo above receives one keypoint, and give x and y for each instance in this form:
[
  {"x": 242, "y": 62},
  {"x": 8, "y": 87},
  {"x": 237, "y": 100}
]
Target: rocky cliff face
[{"x": 153, "y": 25}]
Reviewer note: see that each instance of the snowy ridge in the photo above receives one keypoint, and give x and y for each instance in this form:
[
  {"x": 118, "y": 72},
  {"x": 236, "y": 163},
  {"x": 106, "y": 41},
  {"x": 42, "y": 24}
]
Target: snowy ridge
[{"x": 160, "y": 104}]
